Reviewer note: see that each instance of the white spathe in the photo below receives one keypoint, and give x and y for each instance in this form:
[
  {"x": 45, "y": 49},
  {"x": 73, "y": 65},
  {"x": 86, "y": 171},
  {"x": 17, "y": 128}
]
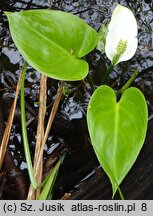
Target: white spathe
[{"x": 122, "y": 27}]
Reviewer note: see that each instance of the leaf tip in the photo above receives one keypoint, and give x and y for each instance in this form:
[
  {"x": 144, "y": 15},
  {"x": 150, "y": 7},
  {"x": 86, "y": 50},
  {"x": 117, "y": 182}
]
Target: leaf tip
[{"x": 8, "y": 14}]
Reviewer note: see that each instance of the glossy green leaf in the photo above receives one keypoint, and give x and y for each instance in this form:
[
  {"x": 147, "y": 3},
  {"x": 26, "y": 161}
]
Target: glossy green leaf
[
  {"x": 117, "y": 130},
  {"x": 53, "y": 42}
]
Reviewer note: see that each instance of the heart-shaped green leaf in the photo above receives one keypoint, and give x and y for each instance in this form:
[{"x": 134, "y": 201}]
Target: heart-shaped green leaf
[
  {"x": 117, "y": 130},
  {"x": 53, "y": 42}
]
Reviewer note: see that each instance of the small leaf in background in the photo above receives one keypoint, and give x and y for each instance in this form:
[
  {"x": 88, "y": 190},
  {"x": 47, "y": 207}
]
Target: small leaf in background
[
  {"x": 102, "y": 38},
  {"x": 121, "y": 40},
  {"x": 117, "y": 130},
  {"x": 53, "y": 42}
]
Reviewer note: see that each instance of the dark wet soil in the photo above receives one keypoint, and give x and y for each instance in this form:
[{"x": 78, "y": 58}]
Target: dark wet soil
[{"x": 79, "y": 173}]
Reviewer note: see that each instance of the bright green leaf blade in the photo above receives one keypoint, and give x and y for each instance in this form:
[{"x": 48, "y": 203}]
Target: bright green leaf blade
[
  {"x": 53, "y": 42},
  {"x": 50, "y": 182},
  {"x": 117, "y": 130}
]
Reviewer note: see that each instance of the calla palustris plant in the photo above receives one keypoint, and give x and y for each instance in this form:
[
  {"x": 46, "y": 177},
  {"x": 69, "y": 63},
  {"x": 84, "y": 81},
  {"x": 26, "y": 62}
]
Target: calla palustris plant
[
  {"x": 53, "y": 42},
  {"x": 117, "y": 130}
]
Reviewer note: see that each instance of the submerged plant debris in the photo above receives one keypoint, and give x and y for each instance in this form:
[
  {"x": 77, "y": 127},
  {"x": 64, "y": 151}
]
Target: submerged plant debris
[{"x": 79, "y": 174}]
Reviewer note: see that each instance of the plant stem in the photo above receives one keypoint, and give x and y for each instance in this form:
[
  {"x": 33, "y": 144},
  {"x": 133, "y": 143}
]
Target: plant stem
[
  {"x": 33, "y": 194},
  {"x": 49, "y": 125},
  {"x": 108, "y": 72},
  {"x": 24, "y": 132},
  {"x": 119, "y": 190},
  {"x": 120, "y": 193},
  {"x": 128, "y": 83},
  {"x": 7, "y": 131}
]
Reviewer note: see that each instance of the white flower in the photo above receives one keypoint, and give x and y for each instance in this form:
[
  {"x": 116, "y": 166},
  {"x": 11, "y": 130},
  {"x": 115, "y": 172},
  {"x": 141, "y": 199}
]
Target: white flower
[{"x": 121, "y": 40}]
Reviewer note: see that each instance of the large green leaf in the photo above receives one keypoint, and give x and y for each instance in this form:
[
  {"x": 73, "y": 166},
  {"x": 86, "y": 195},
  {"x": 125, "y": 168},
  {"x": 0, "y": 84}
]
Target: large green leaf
[
  {"x": 53, "y": 42},
  {"x": 117, "y": 130}
]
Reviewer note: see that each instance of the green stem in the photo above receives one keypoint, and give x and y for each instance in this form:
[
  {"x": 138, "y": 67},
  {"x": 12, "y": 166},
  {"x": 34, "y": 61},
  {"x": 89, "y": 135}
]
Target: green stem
[
  {"x": 128, "y": 83},
  {"x": 108, "y": 72},
  {"x": 24, "y": 132},
  {"x": 120, "y": 193},
  {"x": 119, "y": 190}
]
